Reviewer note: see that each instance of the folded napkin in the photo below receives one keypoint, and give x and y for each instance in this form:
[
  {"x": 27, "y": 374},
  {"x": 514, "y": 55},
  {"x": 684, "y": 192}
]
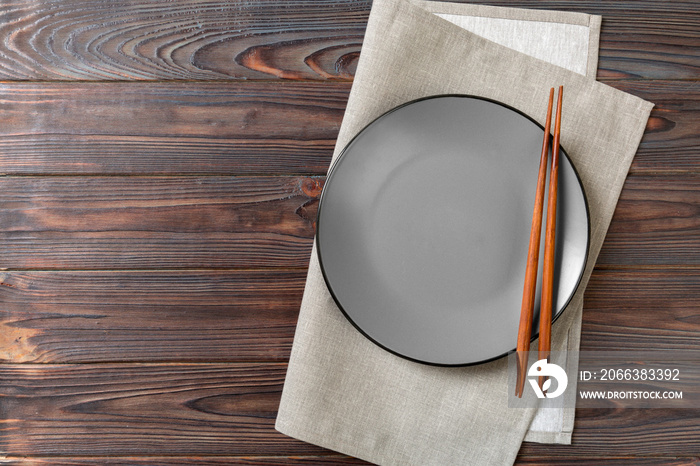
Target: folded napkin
[{"x": 345, "y": 393}]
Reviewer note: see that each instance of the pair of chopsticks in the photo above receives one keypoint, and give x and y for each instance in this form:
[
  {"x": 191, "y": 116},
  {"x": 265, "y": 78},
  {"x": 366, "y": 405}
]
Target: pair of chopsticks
[{"x": 526, "y": 311}]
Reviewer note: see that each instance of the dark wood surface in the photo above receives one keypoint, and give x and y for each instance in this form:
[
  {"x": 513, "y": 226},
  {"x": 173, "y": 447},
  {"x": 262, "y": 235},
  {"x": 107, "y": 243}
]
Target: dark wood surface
[{"x": 160, "y": 167}]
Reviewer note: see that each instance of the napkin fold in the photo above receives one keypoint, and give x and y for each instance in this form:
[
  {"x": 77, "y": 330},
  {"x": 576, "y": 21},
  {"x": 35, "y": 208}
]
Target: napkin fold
[{"x": 344, "y": 393}]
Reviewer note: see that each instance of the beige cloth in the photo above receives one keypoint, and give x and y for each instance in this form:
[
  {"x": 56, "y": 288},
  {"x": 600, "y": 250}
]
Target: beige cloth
[{"x": 343, "y": 392}]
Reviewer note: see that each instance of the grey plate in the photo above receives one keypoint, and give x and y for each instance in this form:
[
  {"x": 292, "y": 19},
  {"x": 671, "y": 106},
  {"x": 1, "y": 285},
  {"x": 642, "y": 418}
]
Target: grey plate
[{"x": 424, "y": 223}]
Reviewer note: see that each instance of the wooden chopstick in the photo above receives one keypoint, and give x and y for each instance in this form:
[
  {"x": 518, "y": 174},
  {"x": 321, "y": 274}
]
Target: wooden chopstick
[
  {"x": 533, "y": 254},
  {"x": 549, "y": 246}
]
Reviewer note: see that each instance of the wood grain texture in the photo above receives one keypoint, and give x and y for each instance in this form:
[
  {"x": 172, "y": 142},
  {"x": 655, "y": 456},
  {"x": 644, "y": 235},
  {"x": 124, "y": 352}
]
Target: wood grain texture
[
  {"x": 169, "y": 128},
  {"x": 656, "y": 222},
  {"x": 331, "y": 460},
  {"x": 229, "y": 409},
  {"x": 244, "y": 128},
  {"x": 131, "y": 409},
  {"x": 128, "y": 40},
  {"x": 671, "y": 140},
  {"x": 243, "y": 222},
  {"x": 148, "y": 315},
  {"x": 642, "y": 310},
  {"x": 270, "y": 39},
  {"x": 229, "y": 316},
  {"x": 325, "y": 461},
  {"x": 157, "y": 222},
  {"x": 609, "y": 461}
]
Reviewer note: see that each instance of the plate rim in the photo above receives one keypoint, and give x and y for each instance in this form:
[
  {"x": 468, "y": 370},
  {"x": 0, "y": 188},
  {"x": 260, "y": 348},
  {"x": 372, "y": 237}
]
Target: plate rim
[{"x": 333, "y": 167}]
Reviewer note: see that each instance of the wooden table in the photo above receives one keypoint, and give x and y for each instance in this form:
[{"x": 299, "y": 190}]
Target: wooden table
[{"x": 162, "y": 163}]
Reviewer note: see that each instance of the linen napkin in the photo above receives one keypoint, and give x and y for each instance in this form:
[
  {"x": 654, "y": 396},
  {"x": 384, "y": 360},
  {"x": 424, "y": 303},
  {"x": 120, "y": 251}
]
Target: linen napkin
[{"x": 343, "y": 392}]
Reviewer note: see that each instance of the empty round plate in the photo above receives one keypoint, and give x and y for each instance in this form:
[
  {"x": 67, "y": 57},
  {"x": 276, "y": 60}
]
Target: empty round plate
[{"x": 424, "y": 224}]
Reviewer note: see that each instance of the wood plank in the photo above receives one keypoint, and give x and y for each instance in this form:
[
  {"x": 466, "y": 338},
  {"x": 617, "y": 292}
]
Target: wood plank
[
  {"x": 156, "y": 222},
  {"x": 132, "y": 410},
  {"x": 217, "y": 409},
  {"x": 169, "y": 128},
  {"x": 263, "y": 39},
  {"x": 270, "y": 39},
  {"x": 148, "y": 315},
  {"x": 331, "y": 460},
  {"x": 656, "y": 222},
  {"x": 641, "y": 310},
  {"x": 243, "y": 222},
  {"x": 243, "y": 315},
  {"x": 547, "y": 460},
  {"x": 326, "y": 460},
  {"x": 243, "y": 128}
]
